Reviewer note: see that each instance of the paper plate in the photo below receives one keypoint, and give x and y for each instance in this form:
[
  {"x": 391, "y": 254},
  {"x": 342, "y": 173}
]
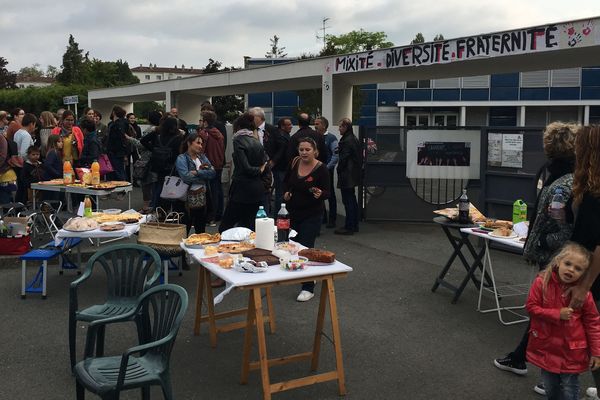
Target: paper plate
[{"x": 511, "y": 236}]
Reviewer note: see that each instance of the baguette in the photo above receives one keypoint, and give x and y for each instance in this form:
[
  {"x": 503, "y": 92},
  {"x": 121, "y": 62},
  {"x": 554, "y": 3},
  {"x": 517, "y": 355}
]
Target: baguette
[{"x": 318, "y": 255}]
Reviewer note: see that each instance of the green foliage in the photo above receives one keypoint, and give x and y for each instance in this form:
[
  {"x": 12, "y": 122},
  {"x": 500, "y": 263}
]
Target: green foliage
[
  {"x": 275, "y": 51},
  {"x": 8, "y": 80},
  {"x": 72, "y": 66},
  {"x": 229, "y": 107},
  {"x": 80, "y": 70},
  {"x": 31, "y": 72},
  {"x": 353, "y": 42},
  {"x": 142, "y": 108},
  {"x": 36, "y": 100},
  {"x": 419, "y": 38},
  {"x": 438, "y": 38}
]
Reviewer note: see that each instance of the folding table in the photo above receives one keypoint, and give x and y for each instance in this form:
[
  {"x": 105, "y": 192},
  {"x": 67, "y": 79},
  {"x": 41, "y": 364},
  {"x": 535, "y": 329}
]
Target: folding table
[
  {"x": 504, "y": 291},
  {"x": 457, "y": 242},
  {"x": 253, "y": 283}
]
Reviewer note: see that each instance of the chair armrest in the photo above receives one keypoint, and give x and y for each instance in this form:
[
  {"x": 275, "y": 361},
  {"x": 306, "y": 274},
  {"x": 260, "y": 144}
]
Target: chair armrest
[
  {"x": 93, "y": 327},
  {"x": 148, "y": 346}
]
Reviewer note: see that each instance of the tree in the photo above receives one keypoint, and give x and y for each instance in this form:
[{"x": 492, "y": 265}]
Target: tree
[
  {"x": 353, "y": 42},
  {"x": 51, "y": 71},
  {"x": 418, "y": 39},
  {"x": 276, "y": 51},
  {"x": 229, "y": 107},
  {"x": 8, "y": 80},
  {"x": 72, "y": 66},
  {"x": 438, "y": 38},
  {"x": 33, "y": 72}
]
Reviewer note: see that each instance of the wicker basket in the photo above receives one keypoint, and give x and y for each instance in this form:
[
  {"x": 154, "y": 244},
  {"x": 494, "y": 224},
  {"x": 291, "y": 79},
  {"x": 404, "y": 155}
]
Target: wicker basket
[{"x": 162, "y": 237}]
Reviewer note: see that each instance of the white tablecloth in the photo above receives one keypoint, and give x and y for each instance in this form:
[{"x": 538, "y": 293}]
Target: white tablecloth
[
  {"x": 275, "y": 273},
  {"x": 514, "y": 242},
  {"x": 129, "y": 230}
]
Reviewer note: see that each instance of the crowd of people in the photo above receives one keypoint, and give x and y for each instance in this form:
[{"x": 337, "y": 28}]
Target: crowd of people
[
  {"x": 271, "y": 165},
  {"x": 563, "y": 336}
]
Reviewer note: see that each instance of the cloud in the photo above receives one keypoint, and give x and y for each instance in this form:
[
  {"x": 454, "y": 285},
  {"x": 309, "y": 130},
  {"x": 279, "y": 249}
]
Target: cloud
[{"x": 190, "y": 32}]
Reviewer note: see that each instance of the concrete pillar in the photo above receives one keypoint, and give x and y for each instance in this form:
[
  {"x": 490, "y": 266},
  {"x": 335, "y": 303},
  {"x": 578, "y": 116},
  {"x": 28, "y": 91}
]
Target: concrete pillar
[
  {"x": 402, "y": 112},
  {"x": 188, "y": 106},
  {"x": 586, "y": 115},
  {"x": 462, "y": 116},
  {"x": 580, "y": 114},
  {"x": 522, "y": 115},
  {"x": 105, "y": 107},
  {"x": 336, "y": 99}
]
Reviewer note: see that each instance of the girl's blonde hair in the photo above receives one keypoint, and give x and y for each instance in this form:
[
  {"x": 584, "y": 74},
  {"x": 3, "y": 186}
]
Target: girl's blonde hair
[
  {"x": 47, "y": 119},
  {"x": 567, "y": 249},
  {"x": 559, "y": 140}
]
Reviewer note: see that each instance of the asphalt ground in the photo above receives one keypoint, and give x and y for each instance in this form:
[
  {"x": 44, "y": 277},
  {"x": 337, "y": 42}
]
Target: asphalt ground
[{"x": 399, "y": 340}]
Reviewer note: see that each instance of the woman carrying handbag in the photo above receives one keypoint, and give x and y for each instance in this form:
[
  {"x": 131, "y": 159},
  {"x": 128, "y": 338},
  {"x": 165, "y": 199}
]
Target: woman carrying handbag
[{"x": 195, "y": 170}]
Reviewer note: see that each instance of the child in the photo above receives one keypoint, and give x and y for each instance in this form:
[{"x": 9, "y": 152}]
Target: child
[
  {"x": 32, "y": 171},
  {"x": 53, "y": 166},
  {"x": 563, "y": 342}
]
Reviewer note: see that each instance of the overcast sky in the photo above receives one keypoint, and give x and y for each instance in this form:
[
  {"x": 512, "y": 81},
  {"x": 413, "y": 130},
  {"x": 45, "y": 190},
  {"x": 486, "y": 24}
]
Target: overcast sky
[{"x": 190, "y": 32}]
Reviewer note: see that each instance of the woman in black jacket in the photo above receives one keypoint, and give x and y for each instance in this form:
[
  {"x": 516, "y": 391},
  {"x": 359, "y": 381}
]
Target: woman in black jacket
[
  {"x": 348, "y": 169},
  {"x": 164, "y": 144},
  {"x": 247, "y": 189}
]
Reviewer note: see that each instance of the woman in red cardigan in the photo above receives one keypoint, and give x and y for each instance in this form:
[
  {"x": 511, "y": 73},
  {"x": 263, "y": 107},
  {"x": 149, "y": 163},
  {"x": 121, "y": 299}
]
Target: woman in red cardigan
[{"x": 72, "y": 137}]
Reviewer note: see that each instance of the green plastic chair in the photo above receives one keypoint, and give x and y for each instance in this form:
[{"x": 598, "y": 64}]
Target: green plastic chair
[
  {"x": 130, "y": 270},
  {"x": 158, "y": 316}
]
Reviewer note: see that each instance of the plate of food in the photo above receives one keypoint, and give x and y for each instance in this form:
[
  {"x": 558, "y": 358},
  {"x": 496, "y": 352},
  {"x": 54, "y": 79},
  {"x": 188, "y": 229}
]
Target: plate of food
[
  {"x": 112, "y": 226},
  {"x": 503, "y": 233},
  {"x": 53, "y": 182},
  {"x": 103, "y": 186},
  {"x": 126, "y": 217},
  {"x": 198, "y": 240},
  {"x": 295, "y": 263},
  {"x": 119, "y": 183},
  {"x": 234, "y": 248},
  {"x": 80, "y": 224}
]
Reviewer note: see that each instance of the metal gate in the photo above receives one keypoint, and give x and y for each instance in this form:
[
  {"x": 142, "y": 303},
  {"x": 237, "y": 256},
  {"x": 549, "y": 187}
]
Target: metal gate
[{"x": 387, "y": 194}]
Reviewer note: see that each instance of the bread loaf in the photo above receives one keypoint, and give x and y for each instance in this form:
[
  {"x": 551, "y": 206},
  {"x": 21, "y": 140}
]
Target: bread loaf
[{"x": 318, "y": 255}]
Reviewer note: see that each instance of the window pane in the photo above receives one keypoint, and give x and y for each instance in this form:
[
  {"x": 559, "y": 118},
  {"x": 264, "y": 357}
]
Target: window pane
[
  {"x": 425, "y": 84},
  {"x": 423, "y": 120},
  {"x": 411, "y": 120},
  {"x": 412, "y": 84},
  {"x": 438, "y": 120},
  {"x": 451, "y": 120}
]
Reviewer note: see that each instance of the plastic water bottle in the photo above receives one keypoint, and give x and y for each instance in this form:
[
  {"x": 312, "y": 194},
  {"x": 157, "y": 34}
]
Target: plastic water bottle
[
  {"x": 463, "y": 208},
  {"x": 557, "y": 205},
  {"x": 261, "y": 213},
  {"x": 283, "y": 224}
]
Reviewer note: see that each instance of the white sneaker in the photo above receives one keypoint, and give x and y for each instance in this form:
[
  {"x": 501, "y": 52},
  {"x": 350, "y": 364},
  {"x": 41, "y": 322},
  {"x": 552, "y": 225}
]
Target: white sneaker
[
  {"x": 591, "y": 393},
  {"x": 305, "y": 295}
]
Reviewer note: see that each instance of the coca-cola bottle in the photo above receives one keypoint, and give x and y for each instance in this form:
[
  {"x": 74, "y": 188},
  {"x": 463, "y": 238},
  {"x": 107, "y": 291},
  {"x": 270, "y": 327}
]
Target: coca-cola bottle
[
  {"x": 283, "y": 224},
  {"x": 463, "y": 208}
]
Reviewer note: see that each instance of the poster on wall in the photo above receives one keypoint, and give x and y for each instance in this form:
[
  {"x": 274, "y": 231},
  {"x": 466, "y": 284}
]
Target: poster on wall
[
  {"x": 443, "y": 154},
  {"x": 505, "y": 150}
]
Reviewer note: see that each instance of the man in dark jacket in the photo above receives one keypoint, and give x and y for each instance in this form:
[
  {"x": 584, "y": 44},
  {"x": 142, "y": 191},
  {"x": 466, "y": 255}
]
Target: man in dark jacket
[
  {"x": 306, "y": 131},
  {"x": 279, "y": 161},
  {"x": 215, "y": 152},
  {"x": 117, "y": 146}
]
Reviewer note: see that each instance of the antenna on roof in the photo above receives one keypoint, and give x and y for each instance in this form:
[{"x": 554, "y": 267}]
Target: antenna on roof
[{"x": 324, "y": 28}]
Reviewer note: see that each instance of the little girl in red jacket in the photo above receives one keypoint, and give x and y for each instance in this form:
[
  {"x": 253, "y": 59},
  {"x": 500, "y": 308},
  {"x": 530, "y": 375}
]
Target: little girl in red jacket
[{"x": 563, "y": 342}]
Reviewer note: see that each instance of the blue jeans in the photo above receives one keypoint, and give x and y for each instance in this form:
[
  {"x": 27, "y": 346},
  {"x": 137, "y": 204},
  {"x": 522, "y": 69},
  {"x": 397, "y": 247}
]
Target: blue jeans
[
  {"x": 351, "y": 206},
  {"x": 561, "y": 386}
]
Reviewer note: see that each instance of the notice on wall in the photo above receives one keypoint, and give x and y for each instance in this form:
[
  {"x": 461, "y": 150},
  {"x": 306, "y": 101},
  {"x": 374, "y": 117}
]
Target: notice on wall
[
  {"x": 495, "y": 149},
  {"x": 443, "y": 154},
  {"x": 512, "y": 150},
  {"x": 505, "y": 150}
]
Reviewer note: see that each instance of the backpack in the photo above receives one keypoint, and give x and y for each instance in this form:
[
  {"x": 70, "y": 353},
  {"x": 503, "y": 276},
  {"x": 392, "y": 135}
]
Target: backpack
[{"x": 162, "y": 156}]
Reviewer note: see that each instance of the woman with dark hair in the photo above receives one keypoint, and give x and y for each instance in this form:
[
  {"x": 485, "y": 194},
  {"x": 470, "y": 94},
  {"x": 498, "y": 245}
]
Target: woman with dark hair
[
  {"x": 348, "y": 169},
  {"x": 141, "y": 168},
  {"x": 92, "y": 148},
  {"x": 247, "y": 189},
  {"x": 548, "y": 229},
  {"x": 164, "y": 144},
  {"x": 195, "y": 169},
  {"x": 47, "y": 124},
  {"x": 72, "y": 137},
  {"x": 306, "y": 186}
]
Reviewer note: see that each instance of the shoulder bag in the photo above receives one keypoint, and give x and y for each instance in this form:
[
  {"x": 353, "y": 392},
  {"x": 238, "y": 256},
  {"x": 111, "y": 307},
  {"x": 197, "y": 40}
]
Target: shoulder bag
[{"x": 174, "y": 188}]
